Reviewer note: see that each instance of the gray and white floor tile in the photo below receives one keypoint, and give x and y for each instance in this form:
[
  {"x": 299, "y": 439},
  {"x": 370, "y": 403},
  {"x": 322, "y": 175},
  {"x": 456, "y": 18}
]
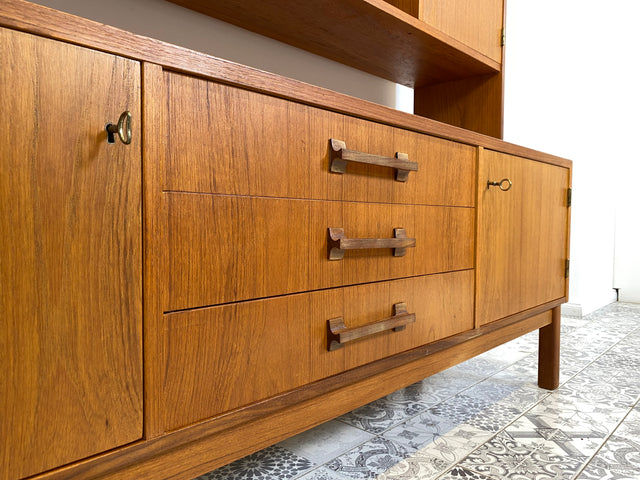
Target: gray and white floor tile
[
  {"x": 486, "y": 419},
  {"x": 370, "y": 459},
  {"x": 383, "y": 414},
  {"x": 326, "y": 441},
  {"x": 619, "y": 459},
  {"x": 272, "y": 462}
]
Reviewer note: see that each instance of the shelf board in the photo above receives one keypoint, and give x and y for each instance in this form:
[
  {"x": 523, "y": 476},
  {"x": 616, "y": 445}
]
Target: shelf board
[{"x": 370, "y": 35}]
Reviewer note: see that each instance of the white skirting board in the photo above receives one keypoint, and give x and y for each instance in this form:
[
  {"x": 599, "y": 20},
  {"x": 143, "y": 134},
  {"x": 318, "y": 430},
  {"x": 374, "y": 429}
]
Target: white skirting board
[
  {"x": 579, "y": 310},
  {"x": 571, "y": 310}
]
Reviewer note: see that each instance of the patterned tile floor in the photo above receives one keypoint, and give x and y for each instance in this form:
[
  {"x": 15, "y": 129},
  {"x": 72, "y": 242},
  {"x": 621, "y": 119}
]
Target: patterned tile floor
[{"x": 486, "y": 419}]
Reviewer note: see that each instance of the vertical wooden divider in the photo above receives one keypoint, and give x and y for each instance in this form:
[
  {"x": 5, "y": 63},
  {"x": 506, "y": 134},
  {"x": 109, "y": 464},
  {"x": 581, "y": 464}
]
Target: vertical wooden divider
[
  {"x": 153, "y": 148},
  {"x": 479, "y": 153}
]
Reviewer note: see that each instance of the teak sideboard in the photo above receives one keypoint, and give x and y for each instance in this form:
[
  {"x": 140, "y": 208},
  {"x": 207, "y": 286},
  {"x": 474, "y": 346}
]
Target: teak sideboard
[{"x": 200, "y": 259}]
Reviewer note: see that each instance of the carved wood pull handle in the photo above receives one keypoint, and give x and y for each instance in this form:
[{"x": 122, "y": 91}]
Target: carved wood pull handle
[
  {"x": 340, "y": 155},
  {"x": 337, "y": 243},
  {"x": 338, "y": 334}
]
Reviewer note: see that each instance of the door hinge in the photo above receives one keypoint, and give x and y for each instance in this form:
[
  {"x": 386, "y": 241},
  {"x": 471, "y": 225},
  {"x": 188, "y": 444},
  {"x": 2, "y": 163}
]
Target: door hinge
[
  {"x": 568, "y": 197},
  {"x": 566, "y": 268},
  {"x": 503, "y": 37}
]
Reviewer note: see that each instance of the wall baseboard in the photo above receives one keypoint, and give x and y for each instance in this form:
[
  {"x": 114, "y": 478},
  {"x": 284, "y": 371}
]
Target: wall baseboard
[
  {"x": 571, "y": 310},
  {"x": 580, "y": 310}
]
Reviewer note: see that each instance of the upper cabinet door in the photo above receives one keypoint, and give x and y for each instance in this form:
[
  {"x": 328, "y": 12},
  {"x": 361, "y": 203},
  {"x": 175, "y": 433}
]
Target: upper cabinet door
[
  {"x": 70, "y": 269},
  {"x": 522, "y": 235}
]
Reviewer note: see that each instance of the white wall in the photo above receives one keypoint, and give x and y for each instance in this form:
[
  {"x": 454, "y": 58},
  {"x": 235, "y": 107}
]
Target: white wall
[
  {"x": 569, "y": 75},
  {"x": 625, "y": 133},
  {"x": 572, "y": 90}
]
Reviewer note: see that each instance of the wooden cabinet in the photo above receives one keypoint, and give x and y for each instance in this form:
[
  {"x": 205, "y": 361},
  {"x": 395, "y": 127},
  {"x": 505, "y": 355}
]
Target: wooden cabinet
[
  {"x": 523, "y": 225},
  {"x": 264, "y": 255},
  {"x": 449, "y": 51},
  {"x": 476, "y": 24},
  {"x": 70, "y": 274}
]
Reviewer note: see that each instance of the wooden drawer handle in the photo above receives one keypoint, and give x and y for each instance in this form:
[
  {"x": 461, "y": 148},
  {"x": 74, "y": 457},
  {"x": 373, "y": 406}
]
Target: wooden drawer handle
[
  {"x": 338, "y": 334},
  {"x": 340, "y": 155},
  {"x": 337, "y": 243}
]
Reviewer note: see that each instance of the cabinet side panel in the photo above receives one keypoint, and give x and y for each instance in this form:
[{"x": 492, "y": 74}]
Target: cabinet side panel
[
  {"x": 70, "y": 271},
  {"x": 477, "y": 24}
]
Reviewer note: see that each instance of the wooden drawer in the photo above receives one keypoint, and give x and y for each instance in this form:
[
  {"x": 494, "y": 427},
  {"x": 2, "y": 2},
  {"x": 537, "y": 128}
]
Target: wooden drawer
[
  {"x": 246, "y": 143},
  {"x": 222, "y": 358},
  {"x": 227, "y": 248}
]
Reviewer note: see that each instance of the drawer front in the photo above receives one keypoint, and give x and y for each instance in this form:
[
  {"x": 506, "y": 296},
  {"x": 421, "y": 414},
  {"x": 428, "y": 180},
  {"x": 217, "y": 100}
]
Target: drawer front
[
  {"x": 246, "y": 143},
  {"x": 227, "y": 248},
  {"x": 222, "y": 358}
]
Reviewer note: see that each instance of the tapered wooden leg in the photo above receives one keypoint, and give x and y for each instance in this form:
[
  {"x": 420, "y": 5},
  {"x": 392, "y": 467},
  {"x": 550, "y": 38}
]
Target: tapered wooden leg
[{"x": 549, "y": 353}]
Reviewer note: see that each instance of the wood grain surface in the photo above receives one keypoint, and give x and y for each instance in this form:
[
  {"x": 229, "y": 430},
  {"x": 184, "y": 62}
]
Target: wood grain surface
[
  {"x": 370, "y": 35},
  {"x": 23, "y": 15},
  {"x": 225, "y": 248},
  {"x": 522, "y": 235},
  {"x": 186, "y": 452},
  {"x": 230, "y": 356},
  {"x": 246, "y": 143},
  {"x": 231, "y": 166},
  {"x": 475, "y": 24},
  {"x": 71, "y": 295}
]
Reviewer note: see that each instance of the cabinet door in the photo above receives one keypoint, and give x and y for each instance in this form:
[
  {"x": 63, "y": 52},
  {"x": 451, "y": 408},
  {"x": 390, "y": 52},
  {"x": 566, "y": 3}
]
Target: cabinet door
[
  {"x": 70, "y": 269},
  {"x": 522, "y": 235}
]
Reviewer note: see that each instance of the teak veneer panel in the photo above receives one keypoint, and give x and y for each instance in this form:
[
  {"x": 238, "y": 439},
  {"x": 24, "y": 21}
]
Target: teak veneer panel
[
  {"x": 421, "y": 44},
  {"x": 474, "y": 103},
  {"x": 247, "y": 143},
  {"x": 23, "y": 15},
  {"x": 226, "y": 357},
  {"x": 186, "y": 453},
  {"x": 229, "y": 248},
  {"x": 89, "y": 199},
  {"x": 476, "y": 24},
  {"x": 369, "y": 35},
  {"x": 71, "y": 295},
  {"x": 522, "y": 235},
  {"x": 153, "y": 238}
]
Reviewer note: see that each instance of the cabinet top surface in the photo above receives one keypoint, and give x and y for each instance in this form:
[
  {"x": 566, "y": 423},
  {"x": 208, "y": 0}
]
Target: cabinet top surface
[{"x": 47, "y": 22}]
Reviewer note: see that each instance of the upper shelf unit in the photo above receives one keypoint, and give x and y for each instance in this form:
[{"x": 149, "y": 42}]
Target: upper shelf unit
[{"x": 412, "y": 42}]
